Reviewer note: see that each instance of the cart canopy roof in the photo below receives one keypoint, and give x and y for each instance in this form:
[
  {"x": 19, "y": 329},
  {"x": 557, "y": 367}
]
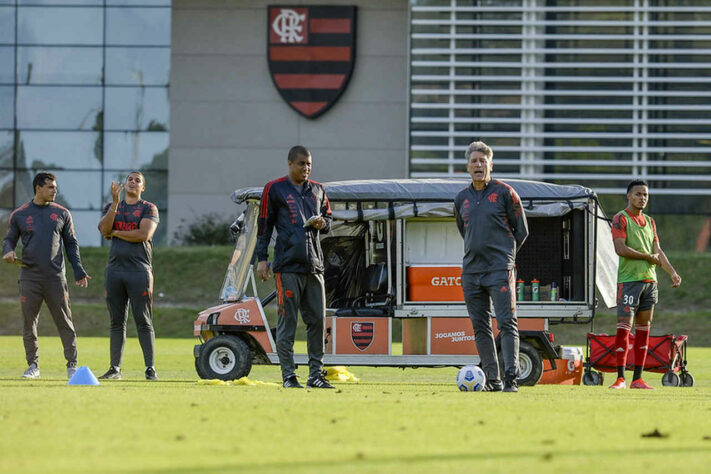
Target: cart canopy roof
[
  {"x": 426, "y": 190},
  {"x": 358, "y": 201}
]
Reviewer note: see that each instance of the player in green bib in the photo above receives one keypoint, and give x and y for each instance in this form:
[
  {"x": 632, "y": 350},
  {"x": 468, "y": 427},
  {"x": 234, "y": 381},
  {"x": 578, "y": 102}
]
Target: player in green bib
[{"x": 636, "y": 242}]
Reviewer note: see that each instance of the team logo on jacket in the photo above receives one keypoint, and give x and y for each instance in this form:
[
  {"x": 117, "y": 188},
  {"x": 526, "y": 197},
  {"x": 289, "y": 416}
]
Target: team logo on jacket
[
  {"x": 311, "y": 54},
  {"x": 362, "y": 334}
]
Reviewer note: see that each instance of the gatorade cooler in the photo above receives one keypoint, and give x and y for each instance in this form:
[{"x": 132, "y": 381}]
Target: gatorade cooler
[
  {"x": 434, "y": 283},
  {"x": 568, "y": 371}
]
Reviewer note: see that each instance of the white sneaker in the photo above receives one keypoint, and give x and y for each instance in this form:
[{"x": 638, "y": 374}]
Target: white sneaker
[
  {"x": 32, "y": 372},
  {"x": 71, "y": 371}
]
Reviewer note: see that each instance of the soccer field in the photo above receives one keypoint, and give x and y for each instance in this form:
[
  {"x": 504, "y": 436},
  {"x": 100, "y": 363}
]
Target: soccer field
[{"x": 393, "y": 420}]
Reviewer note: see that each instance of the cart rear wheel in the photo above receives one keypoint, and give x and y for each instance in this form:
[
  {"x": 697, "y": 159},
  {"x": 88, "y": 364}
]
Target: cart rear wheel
[
  {"x": 670, "y": 379},
  {"x": 592, "y": 377},
  {"x": 224, "y": 358},
  {"x": 687, "y": 380}
]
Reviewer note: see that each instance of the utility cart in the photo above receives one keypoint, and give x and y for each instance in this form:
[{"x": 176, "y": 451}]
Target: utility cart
[{"x": 393, "y": 261}]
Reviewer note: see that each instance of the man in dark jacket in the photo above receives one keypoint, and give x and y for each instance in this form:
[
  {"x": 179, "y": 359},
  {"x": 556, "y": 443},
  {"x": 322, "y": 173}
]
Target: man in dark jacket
[
  {"x": 493, "y": 224},
  {"x": 45, "y": 227},
  {"x": 299, "y": 209}
]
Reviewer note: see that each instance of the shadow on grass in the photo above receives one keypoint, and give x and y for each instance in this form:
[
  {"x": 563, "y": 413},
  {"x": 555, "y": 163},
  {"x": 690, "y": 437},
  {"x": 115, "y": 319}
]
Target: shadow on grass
[{"x": 360, "y": 459}]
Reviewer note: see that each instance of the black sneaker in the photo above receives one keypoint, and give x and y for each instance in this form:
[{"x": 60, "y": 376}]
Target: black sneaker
[
  {"x": 292, "y": 382},
  {"x": 510, "y": 386},
  {"x": 493, "y": 386},
  {"x": 151, "y": 373},
  {"x": 318, "y": 381},
  {"x": 113, "y": 373}
]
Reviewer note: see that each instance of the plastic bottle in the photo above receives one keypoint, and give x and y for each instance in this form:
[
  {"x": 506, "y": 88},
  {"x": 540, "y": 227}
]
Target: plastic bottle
[
  {"x": 554, "y": 291},
  {"x": 520, "y": 290},
  {"x": 535, "y": 287}
]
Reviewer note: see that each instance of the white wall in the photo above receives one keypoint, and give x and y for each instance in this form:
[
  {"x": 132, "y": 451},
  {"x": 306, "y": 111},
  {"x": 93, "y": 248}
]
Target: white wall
[{"x": 230, "y": 128}]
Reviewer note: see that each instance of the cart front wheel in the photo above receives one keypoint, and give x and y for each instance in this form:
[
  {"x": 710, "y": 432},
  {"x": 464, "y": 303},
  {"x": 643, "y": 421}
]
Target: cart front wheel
[
  {"x": 224, "y": 358},
  {"x": 670, "y": 379},
  {"x": 687, "y": 380},
  {"x": 592, "y": 378}
]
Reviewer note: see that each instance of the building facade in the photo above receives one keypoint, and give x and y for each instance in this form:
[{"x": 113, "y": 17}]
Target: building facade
[{"x": 594, "y": 92}]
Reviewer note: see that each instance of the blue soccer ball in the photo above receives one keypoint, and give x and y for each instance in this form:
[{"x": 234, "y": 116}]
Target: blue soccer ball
[{"x": 471, "y": 379}]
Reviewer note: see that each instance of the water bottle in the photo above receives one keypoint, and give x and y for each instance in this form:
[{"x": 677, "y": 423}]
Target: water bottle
[
  {"x": 520, "y": 290},
  {"x": 535, "y": 287},
  {"x": 554, "y": 291}
]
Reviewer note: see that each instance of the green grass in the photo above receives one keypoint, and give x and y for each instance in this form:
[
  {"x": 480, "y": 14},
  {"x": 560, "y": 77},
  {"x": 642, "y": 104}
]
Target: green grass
[
  {"x": 394, "y": 420},
  {"x": 186, "y": 276},
  {"x": 189, "y": 278}
]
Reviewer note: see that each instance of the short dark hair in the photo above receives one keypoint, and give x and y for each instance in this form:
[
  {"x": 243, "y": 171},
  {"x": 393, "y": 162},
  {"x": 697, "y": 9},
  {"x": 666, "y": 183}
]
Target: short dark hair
[
  {"x": 143, "y": 178},
  {"x": 636, "y": 182},
  {"x": 41, "y": 178},
  {"x": 296, "y": 151}
]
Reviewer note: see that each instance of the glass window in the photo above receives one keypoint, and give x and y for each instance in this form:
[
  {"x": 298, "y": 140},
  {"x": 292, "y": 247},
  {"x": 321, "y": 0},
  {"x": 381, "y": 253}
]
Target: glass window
[
  {"x": 159, "y": 3},
  {"x": 156, "y": 186},
  {"x": 88, "y": 235},
  {"x": 7, "y": 65},
  {"x": 7, "y": 25},
  {"x": 7, "y": 108},
  {"x": 137, "y": 108},
  {"x": 61, "y": 2},
  {"x": 60, "y": 25},
  {"x": 7, "y": 141},
  {"x": 75, "y": 189},
  {"x": 59, "y": 150},
  {"x": 4, "y": 217},
  {"x": 7, "y": 186},
  {"x": 47, "y": 65},
  {"x": 138, "y": 66},
  {"x": 138, "y": 26},
  {"x": 124, "y": 150},
  {"x": 59, "y": 107}
]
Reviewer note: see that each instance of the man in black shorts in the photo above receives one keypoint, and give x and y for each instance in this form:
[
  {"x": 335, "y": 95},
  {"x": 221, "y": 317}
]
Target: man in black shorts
[
  {"x": 130, "y": 224},
  {"x": 635, "y": 237},
  {"x": 45, "y": 227}
]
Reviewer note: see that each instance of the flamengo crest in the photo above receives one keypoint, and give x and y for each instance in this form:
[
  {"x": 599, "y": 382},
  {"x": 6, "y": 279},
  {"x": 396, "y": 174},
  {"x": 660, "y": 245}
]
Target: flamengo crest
[
  {"x": 311, "y": 53},
  {"x": 362, "y": 334}
]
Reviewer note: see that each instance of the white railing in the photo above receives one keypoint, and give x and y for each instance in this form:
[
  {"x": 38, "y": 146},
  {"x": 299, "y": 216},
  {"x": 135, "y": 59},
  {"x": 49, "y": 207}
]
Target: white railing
[{"x": 591, "y": 93}]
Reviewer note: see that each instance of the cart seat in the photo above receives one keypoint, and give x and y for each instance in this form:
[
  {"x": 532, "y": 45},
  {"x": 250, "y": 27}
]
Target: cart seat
[
  {"x": 375, "y": 294},
  {"x": 362, "y": 312}
]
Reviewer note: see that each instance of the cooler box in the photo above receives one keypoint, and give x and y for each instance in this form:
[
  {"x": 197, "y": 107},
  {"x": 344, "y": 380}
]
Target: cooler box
[
  {"x": 434, "y": 283},
  {"x": 568, "y": 371}
]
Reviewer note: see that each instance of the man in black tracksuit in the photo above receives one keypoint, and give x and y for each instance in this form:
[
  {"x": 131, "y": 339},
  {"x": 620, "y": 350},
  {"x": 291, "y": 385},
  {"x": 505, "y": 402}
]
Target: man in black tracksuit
[
  {"x": 45, "y": 227},
  {"x": 493, "y": 224},
  {"x": 299, "y": 209},
  {"x": 130, "y": 224}
]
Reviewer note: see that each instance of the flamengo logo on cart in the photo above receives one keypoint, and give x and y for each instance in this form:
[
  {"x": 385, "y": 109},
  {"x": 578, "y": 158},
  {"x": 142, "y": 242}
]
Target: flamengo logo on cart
[
  {"x": 242, "y": 315},
  {"x": 362, "y": 334},
  {"x": 311, "y": 53}
]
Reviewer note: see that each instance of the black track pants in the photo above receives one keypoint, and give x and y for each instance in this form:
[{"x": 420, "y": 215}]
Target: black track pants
[
  {"x": 300, "y": 292},
  {"x": 55, "y": 294},
  {"x": 136, "y": 287},
  {"x": 480, "y": 289}
]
